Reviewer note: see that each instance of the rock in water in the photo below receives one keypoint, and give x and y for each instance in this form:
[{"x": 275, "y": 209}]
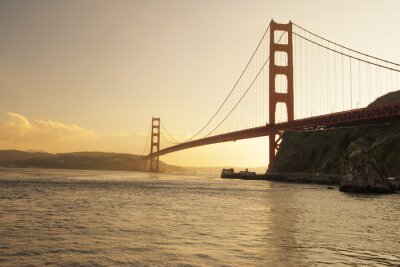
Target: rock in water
[{"x": 361, "y": 172}]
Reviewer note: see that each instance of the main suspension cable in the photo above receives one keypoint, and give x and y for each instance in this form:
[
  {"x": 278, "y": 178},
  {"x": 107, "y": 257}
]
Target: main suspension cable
[
  {"x": 247, "y": 90},
  {"x": 342, "y": 46},
  {"x": 233, "y": 88},
  {"x": 347, "y": 55},
  {"x": 351, "y": 54},
  {"x": 174, "y": 141}
]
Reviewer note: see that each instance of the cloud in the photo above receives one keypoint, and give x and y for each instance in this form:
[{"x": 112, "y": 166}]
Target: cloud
[
  {"x": 63, "y": 131},
  {"x": 18, "y": 132},
  {"x": 17, "y": 125}
]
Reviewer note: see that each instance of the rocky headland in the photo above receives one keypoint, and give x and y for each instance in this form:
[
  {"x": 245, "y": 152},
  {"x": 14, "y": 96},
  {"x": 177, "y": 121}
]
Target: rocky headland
[{"x": 364, "y": 158}]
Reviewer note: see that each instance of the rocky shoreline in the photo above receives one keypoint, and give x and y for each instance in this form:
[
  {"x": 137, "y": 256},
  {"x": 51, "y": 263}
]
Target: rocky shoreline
[
  {"x": 358, "y": 158},
  {"x": 306, "y": 178}
]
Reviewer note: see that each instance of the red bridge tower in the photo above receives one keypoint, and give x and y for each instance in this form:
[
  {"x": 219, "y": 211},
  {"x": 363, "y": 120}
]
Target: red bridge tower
[
  {"x": 155, "y": 145},
  {"x": 283, "y": 96}
]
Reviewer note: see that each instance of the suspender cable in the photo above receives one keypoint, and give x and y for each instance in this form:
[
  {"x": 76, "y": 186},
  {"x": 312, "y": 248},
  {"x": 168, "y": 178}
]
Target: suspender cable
[
  {"x": 349, "y": 56},
  {"x": 347, "y": 48},
  {"x": 147, "y": 141}
]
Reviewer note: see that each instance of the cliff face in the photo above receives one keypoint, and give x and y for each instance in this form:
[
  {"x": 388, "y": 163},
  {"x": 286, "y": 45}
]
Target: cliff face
[{"x": 323, "y": 151}]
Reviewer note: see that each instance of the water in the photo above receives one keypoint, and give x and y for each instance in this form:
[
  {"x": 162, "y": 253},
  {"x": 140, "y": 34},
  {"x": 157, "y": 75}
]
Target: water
[{"x": 101, "y": 218}]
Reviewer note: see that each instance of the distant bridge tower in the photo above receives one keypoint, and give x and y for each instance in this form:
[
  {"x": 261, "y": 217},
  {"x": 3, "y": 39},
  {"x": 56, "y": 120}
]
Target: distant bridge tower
[
  {"x": 155, "y": 145},
  {"x": 284, "y": 95}
]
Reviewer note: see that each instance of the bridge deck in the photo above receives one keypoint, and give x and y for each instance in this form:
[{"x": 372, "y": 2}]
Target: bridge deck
[{"x": 339, "y": 119}]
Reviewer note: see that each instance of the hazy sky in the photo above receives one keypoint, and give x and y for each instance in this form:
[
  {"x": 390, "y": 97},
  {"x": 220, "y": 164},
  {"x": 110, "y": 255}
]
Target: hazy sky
[{"x": 89, "y": 75}]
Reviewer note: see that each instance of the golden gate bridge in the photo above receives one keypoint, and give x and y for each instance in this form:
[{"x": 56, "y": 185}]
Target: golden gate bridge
[{"x": 294, "y": 80}]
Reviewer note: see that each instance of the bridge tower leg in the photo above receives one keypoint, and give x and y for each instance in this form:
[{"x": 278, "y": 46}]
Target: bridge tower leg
[
  {"x": 155, "y": 145},
  {"x": 283, "y": 96}
]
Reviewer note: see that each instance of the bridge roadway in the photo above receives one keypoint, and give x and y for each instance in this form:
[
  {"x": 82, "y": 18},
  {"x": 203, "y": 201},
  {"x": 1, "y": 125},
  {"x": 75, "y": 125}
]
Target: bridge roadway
[{"x": 376, "y": 114}]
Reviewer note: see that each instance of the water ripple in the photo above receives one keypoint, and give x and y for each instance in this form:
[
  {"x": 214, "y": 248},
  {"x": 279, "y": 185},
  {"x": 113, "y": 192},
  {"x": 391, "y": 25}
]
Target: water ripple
[{"x": 95, "y": 218}]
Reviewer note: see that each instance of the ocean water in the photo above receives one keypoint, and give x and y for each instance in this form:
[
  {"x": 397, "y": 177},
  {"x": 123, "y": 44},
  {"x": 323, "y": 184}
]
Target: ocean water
[{"x": 105, "y": 218}]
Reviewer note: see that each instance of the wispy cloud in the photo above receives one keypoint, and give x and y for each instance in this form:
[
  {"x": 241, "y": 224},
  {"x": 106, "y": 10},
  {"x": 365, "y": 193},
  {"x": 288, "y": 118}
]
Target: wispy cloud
[
  {"x": 18, "y": 132},
  {"x": 18, "y": 125}
]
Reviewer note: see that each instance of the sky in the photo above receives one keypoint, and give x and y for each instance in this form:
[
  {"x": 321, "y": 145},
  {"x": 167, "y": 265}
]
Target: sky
[{"x": 89, "y": 75}]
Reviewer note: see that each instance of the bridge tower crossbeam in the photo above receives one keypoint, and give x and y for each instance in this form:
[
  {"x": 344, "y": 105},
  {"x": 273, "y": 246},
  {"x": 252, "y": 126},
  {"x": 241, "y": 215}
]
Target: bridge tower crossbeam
[{"x": 280, "y": 95}]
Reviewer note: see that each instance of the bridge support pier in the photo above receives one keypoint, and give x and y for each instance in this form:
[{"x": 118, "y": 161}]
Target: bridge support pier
[
  {"x": 155, "y": 144},
  {"x": 280, "y": 95},
  {"x": 275, "y": 140}
]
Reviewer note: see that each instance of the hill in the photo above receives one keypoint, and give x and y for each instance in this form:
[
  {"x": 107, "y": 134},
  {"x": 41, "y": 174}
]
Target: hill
[
  {"x": 321, "y": 151},
  {"x": 76, "y": 160}
]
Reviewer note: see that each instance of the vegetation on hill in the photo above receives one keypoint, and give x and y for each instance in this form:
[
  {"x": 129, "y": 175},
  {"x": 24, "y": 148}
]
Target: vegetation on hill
[
  {"x": 77, "y": 160},
  {"x": 389, "y": 98},
  {"x": 321, "y": 151}
]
